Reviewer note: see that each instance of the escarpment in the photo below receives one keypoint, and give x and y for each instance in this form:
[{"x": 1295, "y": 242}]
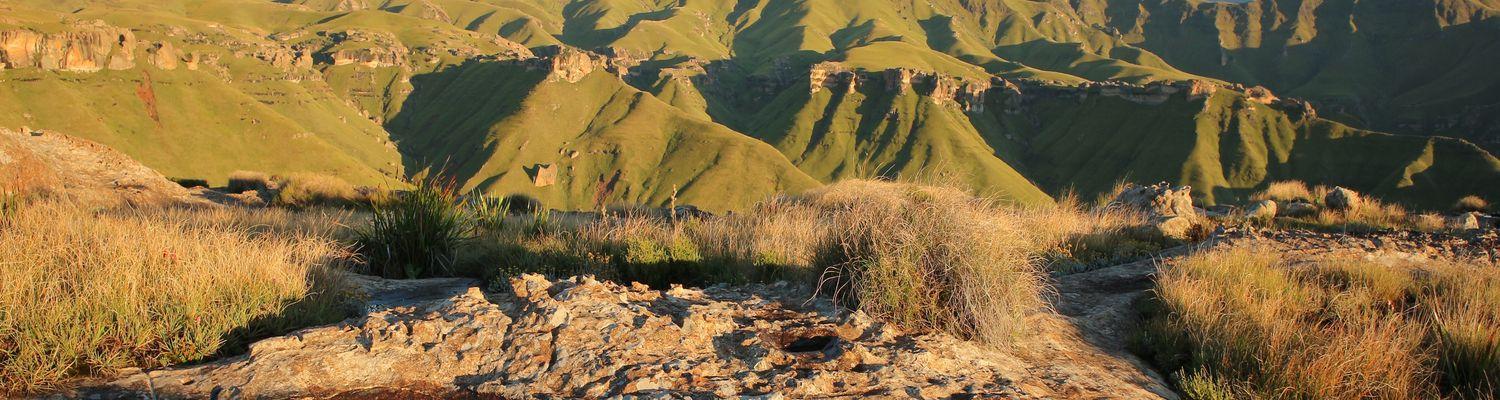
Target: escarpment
[{"x": 84, "y": 47}]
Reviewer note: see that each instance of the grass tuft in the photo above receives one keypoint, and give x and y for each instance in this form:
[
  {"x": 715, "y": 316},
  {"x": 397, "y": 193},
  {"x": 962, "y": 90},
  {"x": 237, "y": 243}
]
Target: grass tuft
[
  {"x": 1334, "y": 327},
  {"x": 1471, "y": 203},
  {"x": 245, "y": 181},
  {"x": 92, "y": 291}
]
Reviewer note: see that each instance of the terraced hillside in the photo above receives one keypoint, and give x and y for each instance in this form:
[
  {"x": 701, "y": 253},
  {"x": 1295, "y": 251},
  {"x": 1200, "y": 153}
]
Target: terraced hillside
[{"x": 718, "y": 103}]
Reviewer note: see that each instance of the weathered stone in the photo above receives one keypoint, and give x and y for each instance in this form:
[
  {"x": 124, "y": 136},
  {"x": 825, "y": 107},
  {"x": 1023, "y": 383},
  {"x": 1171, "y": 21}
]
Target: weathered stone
[
  {"x": 544, "y": 175},
  {"x": 1298, "y": 209},
  {"x": 582, "y": 338},
  {"x": 1159, "y": 200},
  {"x": 1341, "y": 199},
  {"x": 1262, "y": 210},
  {"x": 1169, "y": 210},
  {"x": 83, "y": 47},
  {"x": 1467, "y": 221}
]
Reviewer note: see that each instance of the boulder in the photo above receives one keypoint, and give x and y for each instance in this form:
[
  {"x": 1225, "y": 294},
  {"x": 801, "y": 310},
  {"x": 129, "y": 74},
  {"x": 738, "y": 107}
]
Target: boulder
[
  {"x": 1341, "y": 199},
  {"x": 1298, "y": 209},
  {"x": 1262, "y": 210},
  {"x": 1169, "y": 210},
  {"x": 545, "y": 175},
  {"x": 1158, "y": 201},
  {"x": 1464, "y": 222}
]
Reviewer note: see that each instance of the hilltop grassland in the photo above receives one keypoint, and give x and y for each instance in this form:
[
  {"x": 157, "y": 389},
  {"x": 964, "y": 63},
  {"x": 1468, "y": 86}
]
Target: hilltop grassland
[
  {"x": 923, "y": 256},
  {"x": 92, "y": 290},
  {"x": 1252, "y": 322}
]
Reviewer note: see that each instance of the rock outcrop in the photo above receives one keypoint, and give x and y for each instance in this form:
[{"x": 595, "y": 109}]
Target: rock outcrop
[
  {"x": 582, "y": 338},
  {"x": 83, "y": 47},
  {"x": 1168, "y": 209},
  {"x": 569, "y": 64}
]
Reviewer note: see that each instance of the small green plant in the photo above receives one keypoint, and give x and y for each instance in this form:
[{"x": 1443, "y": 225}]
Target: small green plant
[
  {"x": 416, "y": 234},
  {"x": 540, "y": 223},
  {"x": 488, "y": 212}
]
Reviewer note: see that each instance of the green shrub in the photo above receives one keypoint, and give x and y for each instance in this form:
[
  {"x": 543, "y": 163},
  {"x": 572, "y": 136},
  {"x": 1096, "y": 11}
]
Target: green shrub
[{"x": 416, "y": 234}]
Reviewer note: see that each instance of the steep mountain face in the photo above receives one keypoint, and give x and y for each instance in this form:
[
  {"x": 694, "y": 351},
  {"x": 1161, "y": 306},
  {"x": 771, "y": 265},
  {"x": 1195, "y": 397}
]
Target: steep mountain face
[{"x": 719, "y": 103}]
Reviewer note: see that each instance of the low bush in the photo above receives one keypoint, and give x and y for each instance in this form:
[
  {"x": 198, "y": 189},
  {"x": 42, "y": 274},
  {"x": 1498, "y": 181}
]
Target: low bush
[
  {"x": 1250, "y": 321},
  {"x": 88, "y": 291}
]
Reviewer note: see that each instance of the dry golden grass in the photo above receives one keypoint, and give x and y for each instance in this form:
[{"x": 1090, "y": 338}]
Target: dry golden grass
[
  {"x": 923, "y": 256},
  {"x": 1249, "y": 323},
  {"x": 308, "y": 189},
  {"x": 1289, "y": 191},
  {"x": 244, "y": 181},
  {"x": 90, "y": 291},
  {"x": 1368, "y": 214},
  {"x": 1471, "y": 203}
]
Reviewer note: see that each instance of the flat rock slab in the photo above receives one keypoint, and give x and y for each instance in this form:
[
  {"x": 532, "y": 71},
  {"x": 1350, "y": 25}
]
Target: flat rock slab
[{"x": 580, "y": 337}]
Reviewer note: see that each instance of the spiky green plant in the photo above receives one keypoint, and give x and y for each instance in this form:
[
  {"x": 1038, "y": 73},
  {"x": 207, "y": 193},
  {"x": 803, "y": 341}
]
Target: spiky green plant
[
  {"x": 416, "y": 234},
  {"x": 488, "y": 212}
]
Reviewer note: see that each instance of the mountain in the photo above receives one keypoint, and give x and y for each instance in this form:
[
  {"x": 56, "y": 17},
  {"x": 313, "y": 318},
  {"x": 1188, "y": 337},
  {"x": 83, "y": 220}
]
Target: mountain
[{"x": 719, "y": 103}]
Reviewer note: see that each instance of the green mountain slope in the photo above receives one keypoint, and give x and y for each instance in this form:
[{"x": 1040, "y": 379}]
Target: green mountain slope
[{"x": 589, "y": 102}]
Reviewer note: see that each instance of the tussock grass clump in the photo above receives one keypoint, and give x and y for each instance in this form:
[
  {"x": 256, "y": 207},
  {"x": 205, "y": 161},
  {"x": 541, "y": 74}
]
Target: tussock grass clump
[
  {"x": 307, "y": 190},
  {"x": 929, "y": 257},
  {"x": 85, "y": 291},
  {"x": 1248, "y": 323},
  {"x": 1289, "y": 191},
  {"x": 416, "y": 234},
  {"x": 244, "y": 181},
  {"x": 1471, "y": 203}
]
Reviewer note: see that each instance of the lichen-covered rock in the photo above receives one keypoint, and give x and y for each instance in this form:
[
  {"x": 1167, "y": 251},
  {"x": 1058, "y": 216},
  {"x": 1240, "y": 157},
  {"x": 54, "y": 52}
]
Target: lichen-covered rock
[
  {"x": 582, "y": 338},
  {"x": 1341, "y": 199},
  {"x": 1169, "y": 210},
  {"x": 1159, "y": 200}
]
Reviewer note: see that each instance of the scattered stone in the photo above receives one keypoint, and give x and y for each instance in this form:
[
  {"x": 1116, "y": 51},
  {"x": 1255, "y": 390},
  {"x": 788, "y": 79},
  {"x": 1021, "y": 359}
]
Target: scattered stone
[{"x": 1341, "y": 199}]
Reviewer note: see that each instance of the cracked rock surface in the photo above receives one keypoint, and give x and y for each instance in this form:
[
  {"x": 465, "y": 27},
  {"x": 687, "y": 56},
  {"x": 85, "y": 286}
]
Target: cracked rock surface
[{"x": 582, "y": 338}]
